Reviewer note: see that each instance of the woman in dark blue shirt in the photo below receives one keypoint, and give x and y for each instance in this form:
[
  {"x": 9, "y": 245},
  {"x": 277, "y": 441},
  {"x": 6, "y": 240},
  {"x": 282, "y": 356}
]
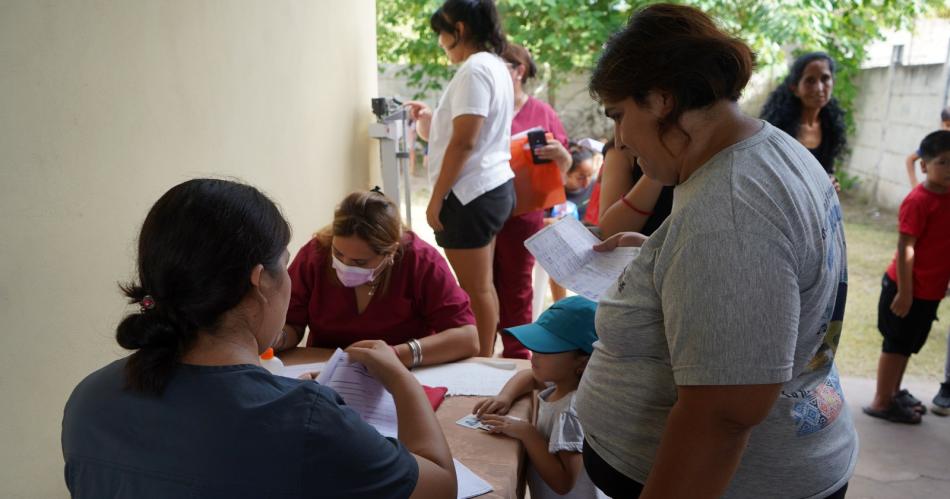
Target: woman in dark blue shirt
[{"x": 190, "y": 413}]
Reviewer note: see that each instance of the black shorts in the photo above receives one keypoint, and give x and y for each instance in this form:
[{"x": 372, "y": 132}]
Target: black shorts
[
  {"x": 476, "y": 223},
  {"x": 904, "y": 335},
  {"x": 615, "y": 484}
]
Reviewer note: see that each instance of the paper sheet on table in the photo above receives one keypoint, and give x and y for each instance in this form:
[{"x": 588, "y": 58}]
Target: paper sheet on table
[
  {"x": 296, "y": 370},
  {"x": 361, "y": 392},
  {"x": 564, "y": 250},
  {"x": 465, "y": 378},
  {"x": 469, "y": 484}
]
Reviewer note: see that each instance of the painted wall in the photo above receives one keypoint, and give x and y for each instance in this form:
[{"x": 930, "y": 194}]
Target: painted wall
[
  {"x": 106, "y": 104},
  {"x": 896, "y": 108}
]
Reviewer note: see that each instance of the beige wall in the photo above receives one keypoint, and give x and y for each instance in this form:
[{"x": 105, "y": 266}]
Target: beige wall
[
  {"x": 105, "y": 105},
  {"x": 896, "y": 108}
]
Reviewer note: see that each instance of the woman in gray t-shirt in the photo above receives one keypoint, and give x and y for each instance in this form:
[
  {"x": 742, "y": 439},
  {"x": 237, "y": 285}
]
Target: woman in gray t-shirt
[{"x": 714, "y": 374}]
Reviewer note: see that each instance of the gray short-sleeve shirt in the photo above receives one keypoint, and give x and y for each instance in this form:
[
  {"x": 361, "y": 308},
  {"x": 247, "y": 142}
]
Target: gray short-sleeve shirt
[{"x": 744, "y": 283}]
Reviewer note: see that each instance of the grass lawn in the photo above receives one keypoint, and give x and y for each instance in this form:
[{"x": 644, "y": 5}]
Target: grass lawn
[{"x": 872, "y": 240}]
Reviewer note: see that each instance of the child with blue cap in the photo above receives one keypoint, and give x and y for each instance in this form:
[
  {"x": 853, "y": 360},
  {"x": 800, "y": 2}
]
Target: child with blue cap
[{"x": 561, "y": 340}]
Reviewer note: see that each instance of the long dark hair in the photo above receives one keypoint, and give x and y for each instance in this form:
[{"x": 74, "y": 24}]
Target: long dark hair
[
  {"x": 196, "y": 251},
  {"x": 676, "y": 49},
  {"x": 784, "y": 111},
  {"x": 481, "y": 21}
]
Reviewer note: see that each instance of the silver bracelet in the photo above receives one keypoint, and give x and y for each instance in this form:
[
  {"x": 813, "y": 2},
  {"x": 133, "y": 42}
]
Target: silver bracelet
[{"x": 416, "y": 349}]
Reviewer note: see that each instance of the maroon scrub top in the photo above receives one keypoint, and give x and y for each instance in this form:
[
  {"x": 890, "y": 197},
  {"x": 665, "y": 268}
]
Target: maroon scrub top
[{"x": 422, "y": 298}]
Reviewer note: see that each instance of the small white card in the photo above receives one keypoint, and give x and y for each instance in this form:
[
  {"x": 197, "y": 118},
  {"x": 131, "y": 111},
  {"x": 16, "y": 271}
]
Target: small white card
[{"x": 472, "y": 421}]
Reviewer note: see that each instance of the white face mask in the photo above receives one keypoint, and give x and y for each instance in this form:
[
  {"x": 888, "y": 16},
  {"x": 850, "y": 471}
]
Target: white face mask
[{"x": 351, "y": 276}]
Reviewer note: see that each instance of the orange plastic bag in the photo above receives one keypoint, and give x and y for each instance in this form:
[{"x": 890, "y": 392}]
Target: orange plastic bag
[{"x": 537, "y": 186}]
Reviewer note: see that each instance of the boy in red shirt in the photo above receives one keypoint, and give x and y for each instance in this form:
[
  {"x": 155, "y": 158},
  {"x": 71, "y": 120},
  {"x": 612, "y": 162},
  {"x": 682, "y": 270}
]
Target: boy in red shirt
[{"x": 915, "y": 282}]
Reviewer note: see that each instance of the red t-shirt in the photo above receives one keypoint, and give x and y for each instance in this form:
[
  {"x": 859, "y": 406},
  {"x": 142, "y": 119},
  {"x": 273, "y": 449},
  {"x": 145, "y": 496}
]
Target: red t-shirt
[
  {"x": 423, "y": 298},
  {"x": 592, "y": 215},
  {"x": 534, "y": 113},
  {"x": 926, "y": 216}
]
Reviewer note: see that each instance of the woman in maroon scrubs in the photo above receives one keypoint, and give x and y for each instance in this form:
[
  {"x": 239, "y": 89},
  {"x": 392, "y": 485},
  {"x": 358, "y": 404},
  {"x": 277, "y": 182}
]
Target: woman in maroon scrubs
[{"x": 366, "y": 277}]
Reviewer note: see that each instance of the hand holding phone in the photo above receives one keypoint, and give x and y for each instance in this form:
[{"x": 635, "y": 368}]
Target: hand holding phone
[{"x": 536, "y": 139}]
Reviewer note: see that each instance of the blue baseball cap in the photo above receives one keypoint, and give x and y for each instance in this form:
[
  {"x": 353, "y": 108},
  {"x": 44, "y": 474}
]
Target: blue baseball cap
[{"x": 567, "y": 326}]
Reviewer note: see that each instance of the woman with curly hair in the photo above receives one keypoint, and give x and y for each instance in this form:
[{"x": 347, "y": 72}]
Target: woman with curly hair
[{"x": 802, "y": 106}]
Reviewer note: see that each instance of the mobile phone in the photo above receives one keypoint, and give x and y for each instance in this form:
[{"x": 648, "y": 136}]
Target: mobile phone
[{"x": 537, "y": 139}]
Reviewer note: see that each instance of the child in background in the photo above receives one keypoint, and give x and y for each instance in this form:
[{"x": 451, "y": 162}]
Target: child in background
[
  {"x": 915, "y": 282},
  {"x": 579, "y": 183},
  {"x": 911, "y": 160},
  {"x": 562, "y": 341},
  {"x": 578, "y": 186}
]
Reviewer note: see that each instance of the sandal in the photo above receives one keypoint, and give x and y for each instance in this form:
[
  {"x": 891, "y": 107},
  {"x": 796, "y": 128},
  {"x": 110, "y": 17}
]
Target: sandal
[
  {"x": 909, "y": 401},
  {"x": 896, "y": 413}
]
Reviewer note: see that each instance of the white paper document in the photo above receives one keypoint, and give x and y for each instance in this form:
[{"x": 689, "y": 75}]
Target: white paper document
[
  {"x": 361, "y": 391},
  {"x": 564, "y": 250},
  {"x": 469, "y": 484},
  {"x": 296, "y": 370},
  {"x": 465, "y": 378}
]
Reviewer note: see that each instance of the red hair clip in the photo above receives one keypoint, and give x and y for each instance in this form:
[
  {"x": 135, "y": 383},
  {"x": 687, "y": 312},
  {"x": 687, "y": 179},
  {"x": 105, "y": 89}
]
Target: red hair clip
[{"x": 147, "y": 303}]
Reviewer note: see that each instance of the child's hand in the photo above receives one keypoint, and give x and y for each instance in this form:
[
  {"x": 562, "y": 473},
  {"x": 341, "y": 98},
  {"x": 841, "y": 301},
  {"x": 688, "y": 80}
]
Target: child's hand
[
  {"x": 492, "y": 405},
  {"x": 506, "y": 425},
  {"x": 901, "y": 304}
]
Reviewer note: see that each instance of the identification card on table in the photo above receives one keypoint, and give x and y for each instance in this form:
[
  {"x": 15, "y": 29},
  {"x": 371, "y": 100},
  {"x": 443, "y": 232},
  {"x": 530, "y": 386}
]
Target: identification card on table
[{"x": 471, "y": 421}]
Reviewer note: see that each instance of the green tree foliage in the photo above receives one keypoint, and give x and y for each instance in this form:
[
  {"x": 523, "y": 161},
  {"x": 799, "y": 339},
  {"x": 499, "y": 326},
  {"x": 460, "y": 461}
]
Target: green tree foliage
[{"x": 565, "y": 36}]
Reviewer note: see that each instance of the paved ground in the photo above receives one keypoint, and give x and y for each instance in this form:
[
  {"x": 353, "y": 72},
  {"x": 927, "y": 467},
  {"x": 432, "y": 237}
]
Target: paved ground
[{"x": 899, "y": 461}]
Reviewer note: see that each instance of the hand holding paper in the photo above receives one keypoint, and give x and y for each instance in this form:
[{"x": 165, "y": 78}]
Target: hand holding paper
[
  {"x": 361, "y": 391},
  {"x": 621, "y": 240},
  {"x": 565, "y": 249}
]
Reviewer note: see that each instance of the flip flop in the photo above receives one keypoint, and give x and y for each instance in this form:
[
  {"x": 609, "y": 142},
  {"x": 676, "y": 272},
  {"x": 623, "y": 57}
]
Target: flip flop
[
  {"x": 896, "y": 413},
  {"x": 909, "y": 401}
]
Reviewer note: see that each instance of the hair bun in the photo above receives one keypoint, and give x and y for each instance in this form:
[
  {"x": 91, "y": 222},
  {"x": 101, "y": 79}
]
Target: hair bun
[{"x": 146, "y": 331}]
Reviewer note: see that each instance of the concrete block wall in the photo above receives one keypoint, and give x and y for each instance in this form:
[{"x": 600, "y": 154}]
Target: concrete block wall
[{"x": 896, "y": 108}]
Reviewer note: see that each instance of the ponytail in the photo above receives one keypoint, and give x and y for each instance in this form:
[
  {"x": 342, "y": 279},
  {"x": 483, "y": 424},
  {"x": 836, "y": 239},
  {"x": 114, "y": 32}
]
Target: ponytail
[
  {"x": 197, "y": 248},
  {"x": 481, "y": 20}
]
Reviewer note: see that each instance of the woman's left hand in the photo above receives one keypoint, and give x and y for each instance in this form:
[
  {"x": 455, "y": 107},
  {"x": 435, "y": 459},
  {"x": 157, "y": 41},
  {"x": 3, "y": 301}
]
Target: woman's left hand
[
  {"x": 507, "y": 425},
  {"x": 621, "y": 240},
  {"x": 432, "y": 213}
]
